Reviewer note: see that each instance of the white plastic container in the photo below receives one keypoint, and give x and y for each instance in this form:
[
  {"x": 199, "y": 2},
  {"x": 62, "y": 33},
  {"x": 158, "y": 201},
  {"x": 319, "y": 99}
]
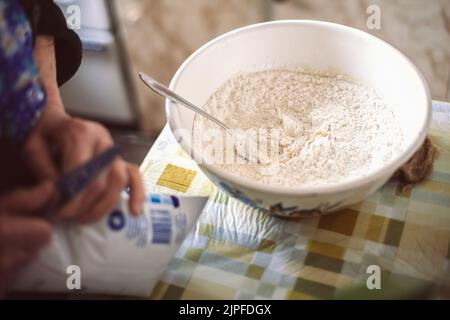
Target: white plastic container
[{"x": 120, "y": 254}]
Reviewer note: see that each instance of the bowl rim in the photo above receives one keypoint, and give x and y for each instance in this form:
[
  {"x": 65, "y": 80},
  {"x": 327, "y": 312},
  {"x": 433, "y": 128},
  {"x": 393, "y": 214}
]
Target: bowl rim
[{"x": 312, "y": 190}]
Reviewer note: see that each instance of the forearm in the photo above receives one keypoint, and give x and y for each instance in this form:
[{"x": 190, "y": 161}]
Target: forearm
[{"x": 44, "y": 56}]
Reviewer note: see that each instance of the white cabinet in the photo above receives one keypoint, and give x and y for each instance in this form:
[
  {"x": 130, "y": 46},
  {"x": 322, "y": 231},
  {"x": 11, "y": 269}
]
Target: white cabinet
[{"x": 100, "y": 90}]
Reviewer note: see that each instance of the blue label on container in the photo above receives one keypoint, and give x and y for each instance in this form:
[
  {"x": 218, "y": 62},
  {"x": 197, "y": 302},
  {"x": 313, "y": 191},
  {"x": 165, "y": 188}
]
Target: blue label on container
[
  {"x": 165, "y": 199},
  {"x": 161, "y": 226},
  {"x": 175, "y": 201},
  {"x": 155, "y": 198}
]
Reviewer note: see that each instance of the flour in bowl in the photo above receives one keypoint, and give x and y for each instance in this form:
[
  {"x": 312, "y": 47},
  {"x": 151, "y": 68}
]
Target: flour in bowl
[{"x": 331, "y": 129}]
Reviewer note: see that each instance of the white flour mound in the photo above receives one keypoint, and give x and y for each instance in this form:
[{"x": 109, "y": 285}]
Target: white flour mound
[{"x": 333, "y": 128}]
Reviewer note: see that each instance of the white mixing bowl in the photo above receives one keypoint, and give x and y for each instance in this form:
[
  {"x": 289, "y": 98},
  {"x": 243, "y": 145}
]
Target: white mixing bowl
[{"x": 321, "y": 46}]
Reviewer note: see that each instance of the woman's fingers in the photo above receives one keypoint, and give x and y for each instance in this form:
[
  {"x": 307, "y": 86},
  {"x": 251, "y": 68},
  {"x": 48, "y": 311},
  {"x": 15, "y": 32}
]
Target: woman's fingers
[
  {"x": 41, "y": 161},
  {"x": 21, "y": 234},
  {"x": 95, "y": 190},
  {"x": 81, "y": 204},
  {"x": 80, "y": 144},
  {"x": 21, "y": 238},
  {"x": 92, "y": 195},
  {"x": 26, "y": 232},
  {"x": 116, "y": 181},
  {"x": 137, "y": 194},
  {"x": 79, "y": 141},
  {"x": 120, "y": 175},
  {"x": 77, "y": 144},
  {"x": 28, "y": 201},
  {"x": 97, "y": 187}
]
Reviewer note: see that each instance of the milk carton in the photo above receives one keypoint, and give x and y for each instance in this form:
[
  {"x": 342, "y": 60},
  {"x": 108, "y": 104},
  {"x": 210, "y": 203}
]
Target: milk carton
[{"x": 119, "y": 254}]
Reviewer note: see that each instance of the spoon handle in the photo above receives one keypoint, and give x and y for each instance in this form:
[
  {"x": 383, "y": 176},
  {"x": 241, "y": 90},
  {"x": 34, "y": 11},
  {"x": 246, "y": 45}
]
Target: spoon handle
[{"x": 167, "y": 93}]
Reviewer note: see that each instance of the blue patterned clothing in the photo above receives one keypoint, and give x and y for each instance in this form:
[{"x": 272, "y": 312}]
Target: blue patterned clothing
[{"x": 22, "y": 97}]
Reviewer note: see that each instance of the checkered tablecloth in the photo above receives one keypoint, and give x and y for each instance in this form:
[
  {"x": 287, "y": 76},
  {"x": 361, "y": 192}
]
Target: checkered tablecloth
[{"x": 238, "y": 252}]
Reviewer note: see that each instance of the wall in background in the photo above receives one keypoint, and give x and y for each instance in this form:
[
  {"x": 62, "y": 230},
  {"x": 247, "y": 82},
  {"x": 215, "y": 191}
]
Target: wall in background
[
  {"x": 420, "y": 29},
  {"x": 161, "y": 34}
]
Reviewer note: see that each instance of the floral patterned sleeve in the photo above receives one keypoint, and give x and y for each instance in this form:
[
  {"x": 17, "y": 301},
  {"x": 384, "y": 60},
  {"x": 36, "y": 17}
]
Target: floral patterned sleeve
[{"x": 22, "y": 97}]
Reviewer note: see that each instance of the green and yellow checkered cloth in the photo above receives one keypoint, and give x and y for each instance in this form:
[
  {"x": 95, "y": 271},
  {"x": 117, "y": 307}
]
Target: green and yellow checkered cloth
[{"x": 238, "y": 252}]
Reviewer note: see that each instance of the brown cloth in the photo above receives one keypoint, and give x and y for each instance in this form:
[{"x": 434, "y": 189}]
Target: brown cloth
[{"x": 420, "y": 165}]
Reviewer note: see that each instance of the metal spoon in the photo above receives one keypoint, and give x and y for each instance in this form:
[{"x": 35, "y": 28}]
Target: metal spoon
[{"x": 238, "y": 139}]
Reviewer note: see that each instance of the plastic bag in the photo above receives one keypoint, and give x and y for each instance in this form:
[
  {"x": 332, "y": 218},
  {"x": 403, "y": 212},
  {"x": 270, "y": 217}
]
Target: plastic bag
[{"x": 120, "y": 254}]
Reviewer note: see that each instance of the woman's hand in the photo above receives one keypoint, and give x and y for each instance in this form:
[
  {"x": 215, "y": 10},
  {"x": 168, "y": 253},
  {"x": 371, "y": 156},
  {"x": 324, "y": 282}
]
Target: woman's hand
[
  {"x": 22, "y": 234},
  {"x": 59, "y": 143}
]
